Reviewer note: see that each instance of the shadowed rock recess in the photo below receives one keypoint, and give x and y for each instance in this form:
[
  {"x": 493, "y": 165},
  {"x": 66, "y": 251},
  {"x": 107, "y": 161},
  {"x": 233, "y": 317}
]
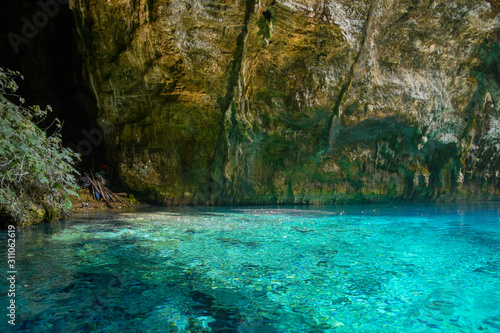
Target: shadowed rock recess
[{"x": 295, "y": 101}]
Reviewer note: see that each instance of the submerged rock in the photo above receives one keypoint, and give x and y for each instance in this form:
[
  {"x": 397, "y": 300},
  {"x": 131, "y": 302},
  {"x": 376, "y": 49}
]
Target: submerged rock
[
  {"x": 256, "y": 326},
  {"x": 297, "y": 101}
]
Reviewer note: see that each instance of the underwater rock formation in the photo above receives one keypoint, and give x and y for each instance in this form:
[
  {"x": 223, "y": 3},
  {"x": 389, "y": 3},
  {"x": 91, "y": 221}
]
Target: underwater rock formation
[{"x": 297, "y": 101}]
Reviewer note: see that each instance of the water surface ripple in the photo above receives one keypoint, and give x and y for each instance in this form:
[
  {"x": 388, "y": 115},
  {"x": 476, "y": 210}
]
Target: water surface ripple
[{"x": 413, "y": 268}]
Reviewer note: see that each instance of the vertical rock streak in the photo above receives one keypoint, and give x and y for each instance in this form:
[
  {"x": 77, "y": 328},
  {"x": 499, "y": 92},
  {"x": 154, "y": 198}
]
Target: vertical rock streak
[
  {"x": 335, "y": 122},
  {"x": 220, "y": 155}
]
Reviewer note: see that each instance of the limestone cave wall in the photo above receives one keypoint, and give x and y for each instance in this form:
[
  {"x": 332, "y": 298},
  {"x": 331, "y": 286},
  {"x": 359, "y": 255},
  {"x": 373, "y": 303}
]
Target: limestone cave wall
[{"x": 295, "y": 101}]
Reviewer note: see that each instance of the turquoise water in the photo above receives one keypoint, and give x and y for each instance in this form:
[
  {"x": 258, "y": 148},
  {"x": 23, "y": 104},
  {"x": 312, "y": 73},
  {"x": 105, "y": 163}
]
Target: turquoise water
[{"x": 262, "y": 269}]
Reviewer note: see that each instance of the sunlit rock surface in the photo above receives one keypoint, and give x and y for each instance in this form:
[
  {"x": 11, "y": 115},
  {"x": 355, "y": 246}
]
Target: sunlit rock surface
[{"x": 297, "y": 101}]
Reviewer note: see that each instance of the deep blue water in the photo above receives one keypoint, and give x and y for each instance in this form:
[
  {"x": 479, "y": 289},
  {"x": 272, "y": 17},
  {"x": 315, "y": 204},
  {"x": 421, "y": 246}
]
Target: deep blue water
[{"x": 412, "y": 268}]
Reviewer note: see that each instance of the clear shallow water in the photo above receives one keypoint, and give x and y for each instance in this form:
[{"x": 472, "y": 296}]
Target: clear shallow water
[{"x": 261, "y": 269}]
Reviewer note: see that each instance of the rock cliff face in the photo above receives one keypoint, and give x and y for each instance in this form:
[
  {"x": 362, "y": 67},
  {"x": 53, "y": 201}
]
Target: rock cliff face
[{"x": 297, "y": 101}]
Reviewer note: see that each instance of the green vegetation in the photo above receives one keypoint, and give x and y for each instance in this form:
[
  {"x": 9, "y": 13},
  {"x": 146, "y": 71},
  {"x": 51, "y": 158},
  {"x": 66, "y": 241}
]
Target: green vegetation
[{"x": 36, "y": 178}]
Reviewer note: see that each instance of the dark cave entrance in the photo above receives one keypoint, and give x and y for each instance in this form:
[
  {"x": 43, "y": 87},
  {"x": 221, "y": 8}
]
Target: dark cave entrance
[{"x": 38, "y": 39}]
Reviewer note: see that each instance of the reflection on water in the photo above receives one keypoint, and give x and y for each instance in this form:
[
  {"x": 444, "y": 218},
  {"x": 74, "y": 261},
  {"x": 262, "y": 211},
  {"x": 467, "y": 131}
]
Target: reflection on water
[{"x": 260, "y": 269}]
